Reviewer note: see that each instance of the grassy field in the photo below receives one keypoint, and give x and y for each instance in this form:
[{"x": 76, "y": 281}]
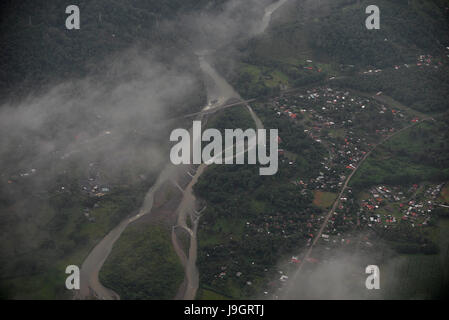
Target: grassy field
[
  {"x": 418, "y": 276},
  {"x": 324, "y": 200},
  {"x": 63, "y": 237},
  {"x": 445, "y": 194},
  {"x": 237, "y": 117},
  {"x": 270, "y": 76},
  {"x": 143, "y": 265},
  {"x": 414, "y": 155}
]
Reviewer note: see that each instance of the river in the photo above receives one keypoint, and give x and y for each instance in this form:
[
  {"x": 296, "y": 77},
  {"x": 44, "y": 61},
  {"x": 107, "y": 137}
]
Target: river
[{"x": 218, "y": 92}]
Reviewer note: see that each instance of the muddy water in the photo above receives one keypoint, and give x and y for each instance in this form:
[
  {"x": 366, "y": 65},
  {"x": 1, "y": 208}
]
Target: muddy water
[
  {"x": 90, "y": 284},
  {"x": 218, "y": 92},
  {"x": 269, "y": 13}
]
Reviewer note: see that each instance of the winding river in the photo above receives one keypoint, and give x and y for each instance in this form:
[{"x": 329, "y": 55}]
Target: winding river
[{"x": 218, "y": 92}]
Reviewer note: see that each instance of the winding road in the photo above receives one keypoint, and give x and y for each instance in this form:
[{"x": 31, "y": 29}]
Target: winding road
[{"x": 337, "y": 200}]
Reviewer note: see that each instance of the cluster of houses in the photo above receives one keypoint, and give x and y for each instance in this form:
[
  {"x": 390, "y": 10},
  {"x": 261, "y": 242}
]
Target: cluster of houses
[
  {"x": 23, "y": 174},
  {"x": 277, "y": 224},
  {"x": 424, "y": 60},
  {"x": 428, "y": 61},
  {"x": 337, "y": 120},
  {"x": 386, "y": 206},
  {"x": 342, "y": 221},
  {"x": 93, "y": 185},
  {"x": 382, "y": 207}
]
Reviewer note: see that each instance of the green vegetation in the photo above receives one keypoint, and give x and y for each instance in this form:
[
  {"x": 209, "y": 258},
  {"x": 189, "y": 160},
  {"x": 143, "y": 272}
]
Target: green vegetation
[
  {"x": 251, "y": 222},
  {"x": 417, "y": 154},
  {"x": 57, "y": 234},
  {"x": 424, "y": 89},
  {"x": 308, "y": 45},
  {"x": 242, "y": 206},
  {"x": 48, "y": 219},
  {"x": 306, "y": 152},
  {"x": 37, "y": 50},
  {"x": 333, "y": 35},
  {"x": 235, "y": 117},
  {"x": 405, "y": 239},
  {"x": 324, "y": 200},
  {"x": 418, "y": 276},
  {"x": 207, "y": 294},
  {"x": 143, "y": 265},
  {"x": 445, "y": 194},
  {"x": 408, "y": 28},
  {"x": 256, "y": 81},
  {"x": 258, "y": 77}
]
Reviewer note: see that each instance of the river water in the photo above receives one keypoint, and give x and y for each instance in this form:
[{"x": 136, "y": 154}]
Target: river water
[{"x": 218, "y": 92}]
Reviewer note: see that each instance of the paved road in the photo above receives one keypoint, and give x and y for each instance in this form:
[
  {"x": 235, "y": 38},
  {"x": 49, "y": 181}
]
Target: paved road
[{"x": 337, "y": 200}]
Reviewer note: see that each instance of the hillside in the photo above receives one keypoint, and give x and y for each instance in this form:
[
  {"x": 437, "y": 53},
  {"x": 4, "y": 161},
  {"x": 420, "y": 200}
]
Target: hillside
[
  {"x": 311, "y": 42},
  {"x": 37, "y": 50}
]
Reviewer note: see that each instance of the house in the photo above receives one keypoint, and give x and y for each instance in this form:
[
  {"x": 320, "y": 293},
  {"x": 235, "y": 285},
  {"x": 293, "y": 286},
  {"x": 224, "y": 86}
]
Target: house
[
  {"x": 283, "y": 278},
  {"x": 295, "y": 260}
]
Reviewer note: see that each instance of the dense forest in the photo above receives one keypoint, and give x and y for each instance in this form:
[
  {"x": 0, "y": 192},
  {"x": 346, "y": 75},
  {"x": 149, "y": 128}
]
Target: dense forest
[
  {"x": 334, "y": 36},
  {"x": 417, "y": 154},
  {"x": 143, "y": 265},
  {"x": 50, "y": 215},
  {"x": 251, "y": 222},
  {"x": 37, "y": 49},
  {"x": 423, "y": 89},
  {"x": 243, "y": 206},
  {"x": 408, "y": 28}
]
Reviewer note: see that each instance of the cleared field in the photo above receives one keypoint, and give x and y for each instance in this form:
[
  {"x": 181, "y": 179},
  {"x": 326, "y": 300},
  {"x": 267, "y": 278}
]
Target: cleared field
[
  {"x": 270, "y": 76},
  {"x": 418, "y": 276},
  {"x": 445, "y": 193},
  {"x": 324, "y": 200}
]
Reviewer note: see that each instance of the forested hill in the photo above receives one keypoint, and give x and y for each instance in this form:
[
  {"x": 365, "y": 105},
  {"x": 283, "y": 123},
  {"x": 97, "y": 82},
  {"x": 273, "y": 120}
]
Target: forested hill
[
  {"x": 36, "y": 46},
  {"x": 407, "y": 28},
  {"x": 407, "y": 58}
]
